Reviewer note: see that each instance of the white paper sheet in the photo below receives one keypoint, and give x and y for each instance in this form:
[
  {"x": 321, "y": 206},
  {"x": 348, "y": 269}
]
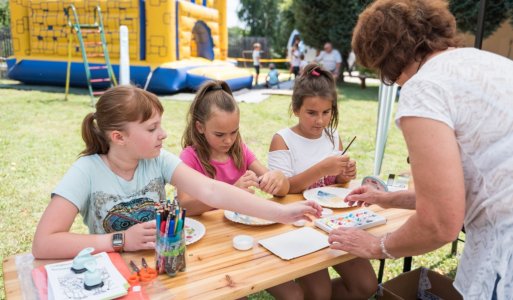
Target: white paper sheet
[
  {"x": 296, "y": 243},
  {"x": 65, "y": 284}
]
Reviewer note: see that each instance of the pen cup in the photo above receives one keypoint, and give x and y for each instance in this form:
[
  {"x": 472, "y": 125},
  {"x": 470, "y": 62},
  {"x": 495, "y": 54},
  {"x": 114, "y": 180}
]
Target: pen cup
[{"x": 170, "y": 254}]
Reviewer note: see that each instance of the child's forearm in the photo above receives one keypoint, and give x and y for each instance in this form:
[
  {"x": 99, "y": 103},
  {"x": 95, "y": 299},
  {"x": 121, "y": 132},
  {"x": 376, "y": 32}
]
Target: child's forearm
[
  {"x": 194, "y": 206},
  {"x": 65, "y": 245},
  {"x": 301, "y": 181}
]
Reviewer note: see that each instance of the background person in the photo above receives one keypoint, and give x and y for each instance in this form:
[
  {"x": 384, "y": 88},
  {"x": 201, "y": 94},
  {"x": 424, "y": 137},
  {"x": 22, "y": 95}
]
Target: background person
[{"x": 330, "y": 59}]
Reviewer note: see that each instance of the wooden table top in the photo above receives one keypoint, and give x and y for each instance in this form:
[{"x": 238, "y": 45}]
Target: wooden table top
[{"x": 216, "y": 270}]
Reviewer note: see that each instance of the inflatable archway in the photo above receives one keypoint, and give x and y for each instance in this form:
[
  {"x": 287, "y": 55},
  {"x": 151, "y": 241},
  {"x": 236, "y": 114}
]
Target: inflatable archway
[{"x": 181, "y": 43}]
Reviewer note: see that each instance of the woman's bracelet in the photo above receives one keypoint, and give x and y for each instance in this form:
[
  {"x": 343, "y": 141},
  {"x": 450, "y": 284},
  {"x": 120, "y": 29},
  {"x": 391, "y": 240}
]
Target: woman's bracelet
[{"x": 382, "y": 246}]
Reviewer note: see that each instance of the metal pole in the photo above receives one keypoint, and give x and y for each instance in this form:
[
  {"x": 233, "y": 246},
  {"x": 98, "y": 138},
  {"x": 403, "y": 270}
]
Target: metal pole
[{"x": 480, "y": 25}]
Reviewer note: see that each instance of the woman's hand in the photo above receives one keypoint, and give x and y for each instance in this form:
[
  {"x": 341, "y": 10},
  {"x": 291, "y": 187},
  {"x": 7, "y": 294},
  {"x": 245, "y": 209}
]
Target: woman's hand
[
  {"x": 356, "y": 242},
  {"x": 365, "y": 196},
  {"x": 348, "y": 173},
  {"x": 272, "y": 182},
  {"x": 300, "y": 211},
  {"x": 140, "y": 236},
  {"x": 249, "y": 179},
  {"x": 335, "y": 165}
]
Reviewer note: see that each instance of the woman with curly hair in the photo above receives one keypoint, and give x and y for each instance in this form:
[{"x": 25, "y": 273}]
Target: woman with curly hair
[{"x": 456, "y": 115}]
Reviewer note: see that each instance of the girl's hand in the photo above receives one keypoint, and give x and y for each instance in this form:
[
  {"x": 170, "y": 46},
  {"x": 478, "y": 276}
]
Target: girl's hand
[
  {"x": 365, "y": 196},
  {"x": 334, "y": 165},
  {"x": 300, "y": 211},
  {"x": 272, "y": 182},
  {"x": 349, "y": 172},
  {"x": 246, "y": 181},
  {"x": 356, "y": 242},
  {"x": 140, "y": 236}
]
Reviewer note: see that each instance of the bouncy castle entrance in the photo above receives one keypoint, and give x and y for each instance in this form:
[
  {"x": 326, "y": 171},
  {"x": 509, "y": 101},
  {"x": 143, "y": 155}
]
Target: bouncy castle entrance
[{"x": 202, "y": 44}]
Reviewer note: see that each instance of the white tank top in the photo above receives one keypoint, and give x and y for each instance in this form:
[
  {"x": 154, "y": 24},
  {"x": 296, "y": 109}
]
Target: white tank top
[{"x": 303, "y": 153}]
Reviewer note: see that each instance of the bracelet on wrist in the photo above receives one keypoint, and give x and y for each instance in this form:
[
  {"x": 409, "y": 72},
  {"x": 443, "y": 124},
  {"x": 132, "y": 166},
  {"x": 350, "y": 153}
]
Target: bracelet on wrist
[{"x": 383, "y": 248}]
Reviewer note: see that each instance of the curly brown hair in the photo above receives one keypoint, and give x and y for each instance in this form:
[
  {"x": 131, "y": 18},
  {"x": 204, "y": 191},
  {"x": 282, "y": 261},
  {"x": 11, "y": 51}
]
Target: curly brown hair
[{"x": 391, "y": 34}]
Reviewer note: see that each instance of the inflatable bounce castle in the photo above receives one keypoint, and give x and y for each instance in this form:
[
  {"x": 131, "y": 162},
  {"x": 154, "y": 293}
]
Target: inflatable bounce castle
[{"x": 173, "y": 44}]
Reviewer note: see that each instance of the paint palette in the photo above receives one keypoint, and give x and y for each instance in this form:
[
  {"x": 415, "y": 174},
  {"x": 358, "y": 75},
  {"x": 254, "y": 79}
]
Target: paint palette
[{"x": 361, "y": 219}]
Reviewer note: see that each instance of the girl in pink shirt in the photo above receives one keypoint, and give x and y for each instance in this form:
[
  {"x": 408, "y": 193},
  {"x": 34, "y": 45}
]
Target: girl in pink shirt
[{"x": 213, "y": 146}]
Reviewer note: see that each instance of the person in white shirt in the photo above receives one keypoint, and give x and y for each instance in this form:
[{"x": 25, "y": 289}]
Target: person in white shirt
[
  {"x": 456, "y": 115},
  {"x": 330, "y": 59}
]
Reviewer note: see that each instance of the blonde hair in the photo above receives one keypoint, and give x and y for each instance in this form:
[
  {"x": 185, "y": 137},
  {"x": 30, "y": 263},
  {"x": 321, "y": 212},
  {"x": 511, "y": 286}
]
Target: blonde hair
[
  {"x": 115, "y": 108},
  {"x": 212, "y": 93},
  {"x": 315, "y": 81}
]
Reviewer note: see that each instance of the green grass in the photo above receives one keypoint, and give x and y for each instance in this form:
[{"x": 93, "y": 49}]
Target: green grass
[{"x": 40, "y": 139}]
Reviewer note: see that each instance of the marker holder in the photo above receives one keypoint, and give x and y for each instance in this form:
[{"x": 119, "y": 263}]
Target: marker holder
[{"x": 170, "y": 254}]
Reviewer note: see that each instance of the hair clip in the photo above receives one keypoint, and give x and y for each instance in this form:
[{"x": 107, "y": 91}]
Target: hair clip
[
  {"x": 315, "y": 73},
  {"x": 216, "y": 88}
]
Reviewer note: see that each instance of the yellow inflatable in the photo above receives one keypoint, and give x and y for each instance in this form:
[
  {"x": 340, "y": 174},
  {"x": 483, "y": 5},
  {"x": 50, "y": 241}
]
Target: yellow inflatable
[{"x": 180, "y": 43}]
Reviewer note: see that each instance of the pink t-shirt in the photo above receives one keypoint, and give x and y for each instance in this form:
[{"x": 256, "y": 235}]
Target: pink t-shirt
[{"x": 225, "y": 171}]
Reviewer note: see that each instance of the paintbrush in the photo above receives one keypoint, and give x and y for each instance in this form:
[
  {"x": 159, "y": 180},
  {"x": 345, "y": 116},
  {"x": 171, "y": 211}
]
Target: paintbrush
[{"x": 345, "y": 150}]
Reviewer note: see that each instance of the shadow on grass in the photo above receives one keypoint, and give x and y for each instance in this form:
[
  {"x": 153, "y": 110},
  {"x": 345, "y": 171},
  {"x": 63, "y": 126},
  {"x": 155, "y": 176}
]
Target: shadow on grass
[
  {"x": 353, "y": 91},
  {"x": 16, "y": 85}
]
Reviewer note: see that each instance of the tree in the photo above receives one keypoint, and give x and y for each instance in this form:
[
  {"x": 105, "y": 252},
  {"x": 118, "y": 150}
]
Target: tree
[
  {"x": 260, "y": 16},
  {"x": 4, "y": 14},
  {"x": 466, "y": 12}
]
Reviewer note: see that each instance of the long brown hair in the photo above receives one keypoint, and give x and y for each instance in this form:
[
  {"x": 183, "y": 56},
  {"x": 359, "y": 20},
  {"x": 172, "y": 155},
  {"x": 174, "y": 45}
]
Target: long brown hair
[
  {"x": 116, "y": 107},
  {"x": 391, "y": 34},
  {"x": 212, "y": 93},
  {"x": 315, "y": 81}
]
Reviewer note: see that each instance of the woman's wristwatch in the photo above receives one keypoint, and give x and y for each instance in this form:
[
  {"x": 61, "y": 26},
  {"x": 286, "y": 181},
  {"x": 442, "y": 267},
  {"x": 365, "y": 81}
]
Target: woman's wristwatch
[{"x": 118, "y": 241}]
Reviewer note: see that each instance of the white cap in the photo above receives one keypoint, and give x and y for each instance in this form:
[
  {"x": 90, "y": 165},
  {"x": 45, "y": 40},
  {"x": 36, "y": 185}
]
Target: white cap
[{"x": 243, "y": 242}]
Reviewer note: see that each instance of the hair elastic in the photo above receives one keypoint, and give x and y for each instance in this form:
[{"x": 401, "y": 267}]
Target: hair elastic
[
  {"x": 315, "y": 73},
  {"x": 216, "y": 88}
]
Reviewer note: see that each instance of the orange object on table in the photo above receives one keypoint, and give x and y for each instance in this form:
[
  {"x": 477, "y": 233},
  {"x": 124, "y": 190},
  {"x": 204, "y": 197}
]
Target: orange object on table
[{"x": 144, "y": 274}]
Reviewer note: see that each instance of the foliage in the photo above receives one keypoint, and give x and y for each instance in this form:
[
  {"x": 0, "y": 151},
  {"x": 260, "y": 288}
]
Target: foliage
[
  {"x": 466, "y": 13},
  {"x": 260, "y": 17},
  {"x": 285, "y": 26},
  {"x": 5, "y": 17},
  {"x": 320, "y": 21}
]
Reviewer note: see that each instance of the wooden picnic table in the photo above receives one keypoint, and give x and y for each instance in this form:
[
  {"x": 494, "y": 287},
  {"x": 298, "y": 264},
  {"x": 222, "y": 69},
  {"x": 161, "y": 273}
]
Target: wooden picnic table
[{"x": 216, "y": 270}]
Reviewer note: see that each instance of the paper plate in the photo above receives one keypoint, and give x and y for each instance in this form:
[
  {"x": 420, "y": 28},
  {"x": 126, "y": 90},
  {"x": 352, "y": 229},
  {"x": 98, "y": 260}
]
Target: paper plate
[
  {"x": 244, "y": 219},
  {"x": 194, "y": 231},
  {"x": 328, "y": 196}
]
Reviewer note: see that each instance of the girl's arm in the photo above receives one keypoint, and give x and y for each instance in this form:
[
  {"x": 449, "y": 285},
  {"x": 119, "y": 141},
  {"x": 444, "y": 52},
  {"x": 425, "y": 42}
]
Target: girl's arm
[
  {"x": 194, "y": 206},
  {"x": 53, "y": 240},
  {"x": 222, "y": 195},
  {"x": 272, "y": 182},
  {"x": 329, "y": 166}
]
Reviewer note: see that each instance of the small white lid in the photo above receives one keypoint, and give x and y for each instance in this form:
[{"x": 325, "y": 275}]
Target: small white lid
[
  {"x": 326, "y": 212},
  {"x": 243, "y": 242},
  {"x": 299, "y": 223}
]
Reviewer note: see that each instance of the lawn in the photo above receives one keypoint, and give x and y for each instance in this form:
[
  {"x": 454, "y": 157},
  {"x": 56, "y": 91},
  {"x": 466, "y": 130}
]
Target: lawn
[{"x": 40, "y": 138}]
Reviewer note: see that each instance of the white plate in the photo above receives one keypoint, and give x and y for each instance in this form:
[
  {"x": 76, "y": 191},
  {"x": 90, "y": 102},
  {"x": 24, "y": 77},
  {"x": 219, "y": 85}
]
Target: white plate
[
  {"x": 328, "y": 196},
  {"x": 194, "y": 231},
  {"x": 245, "y": 219}
]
